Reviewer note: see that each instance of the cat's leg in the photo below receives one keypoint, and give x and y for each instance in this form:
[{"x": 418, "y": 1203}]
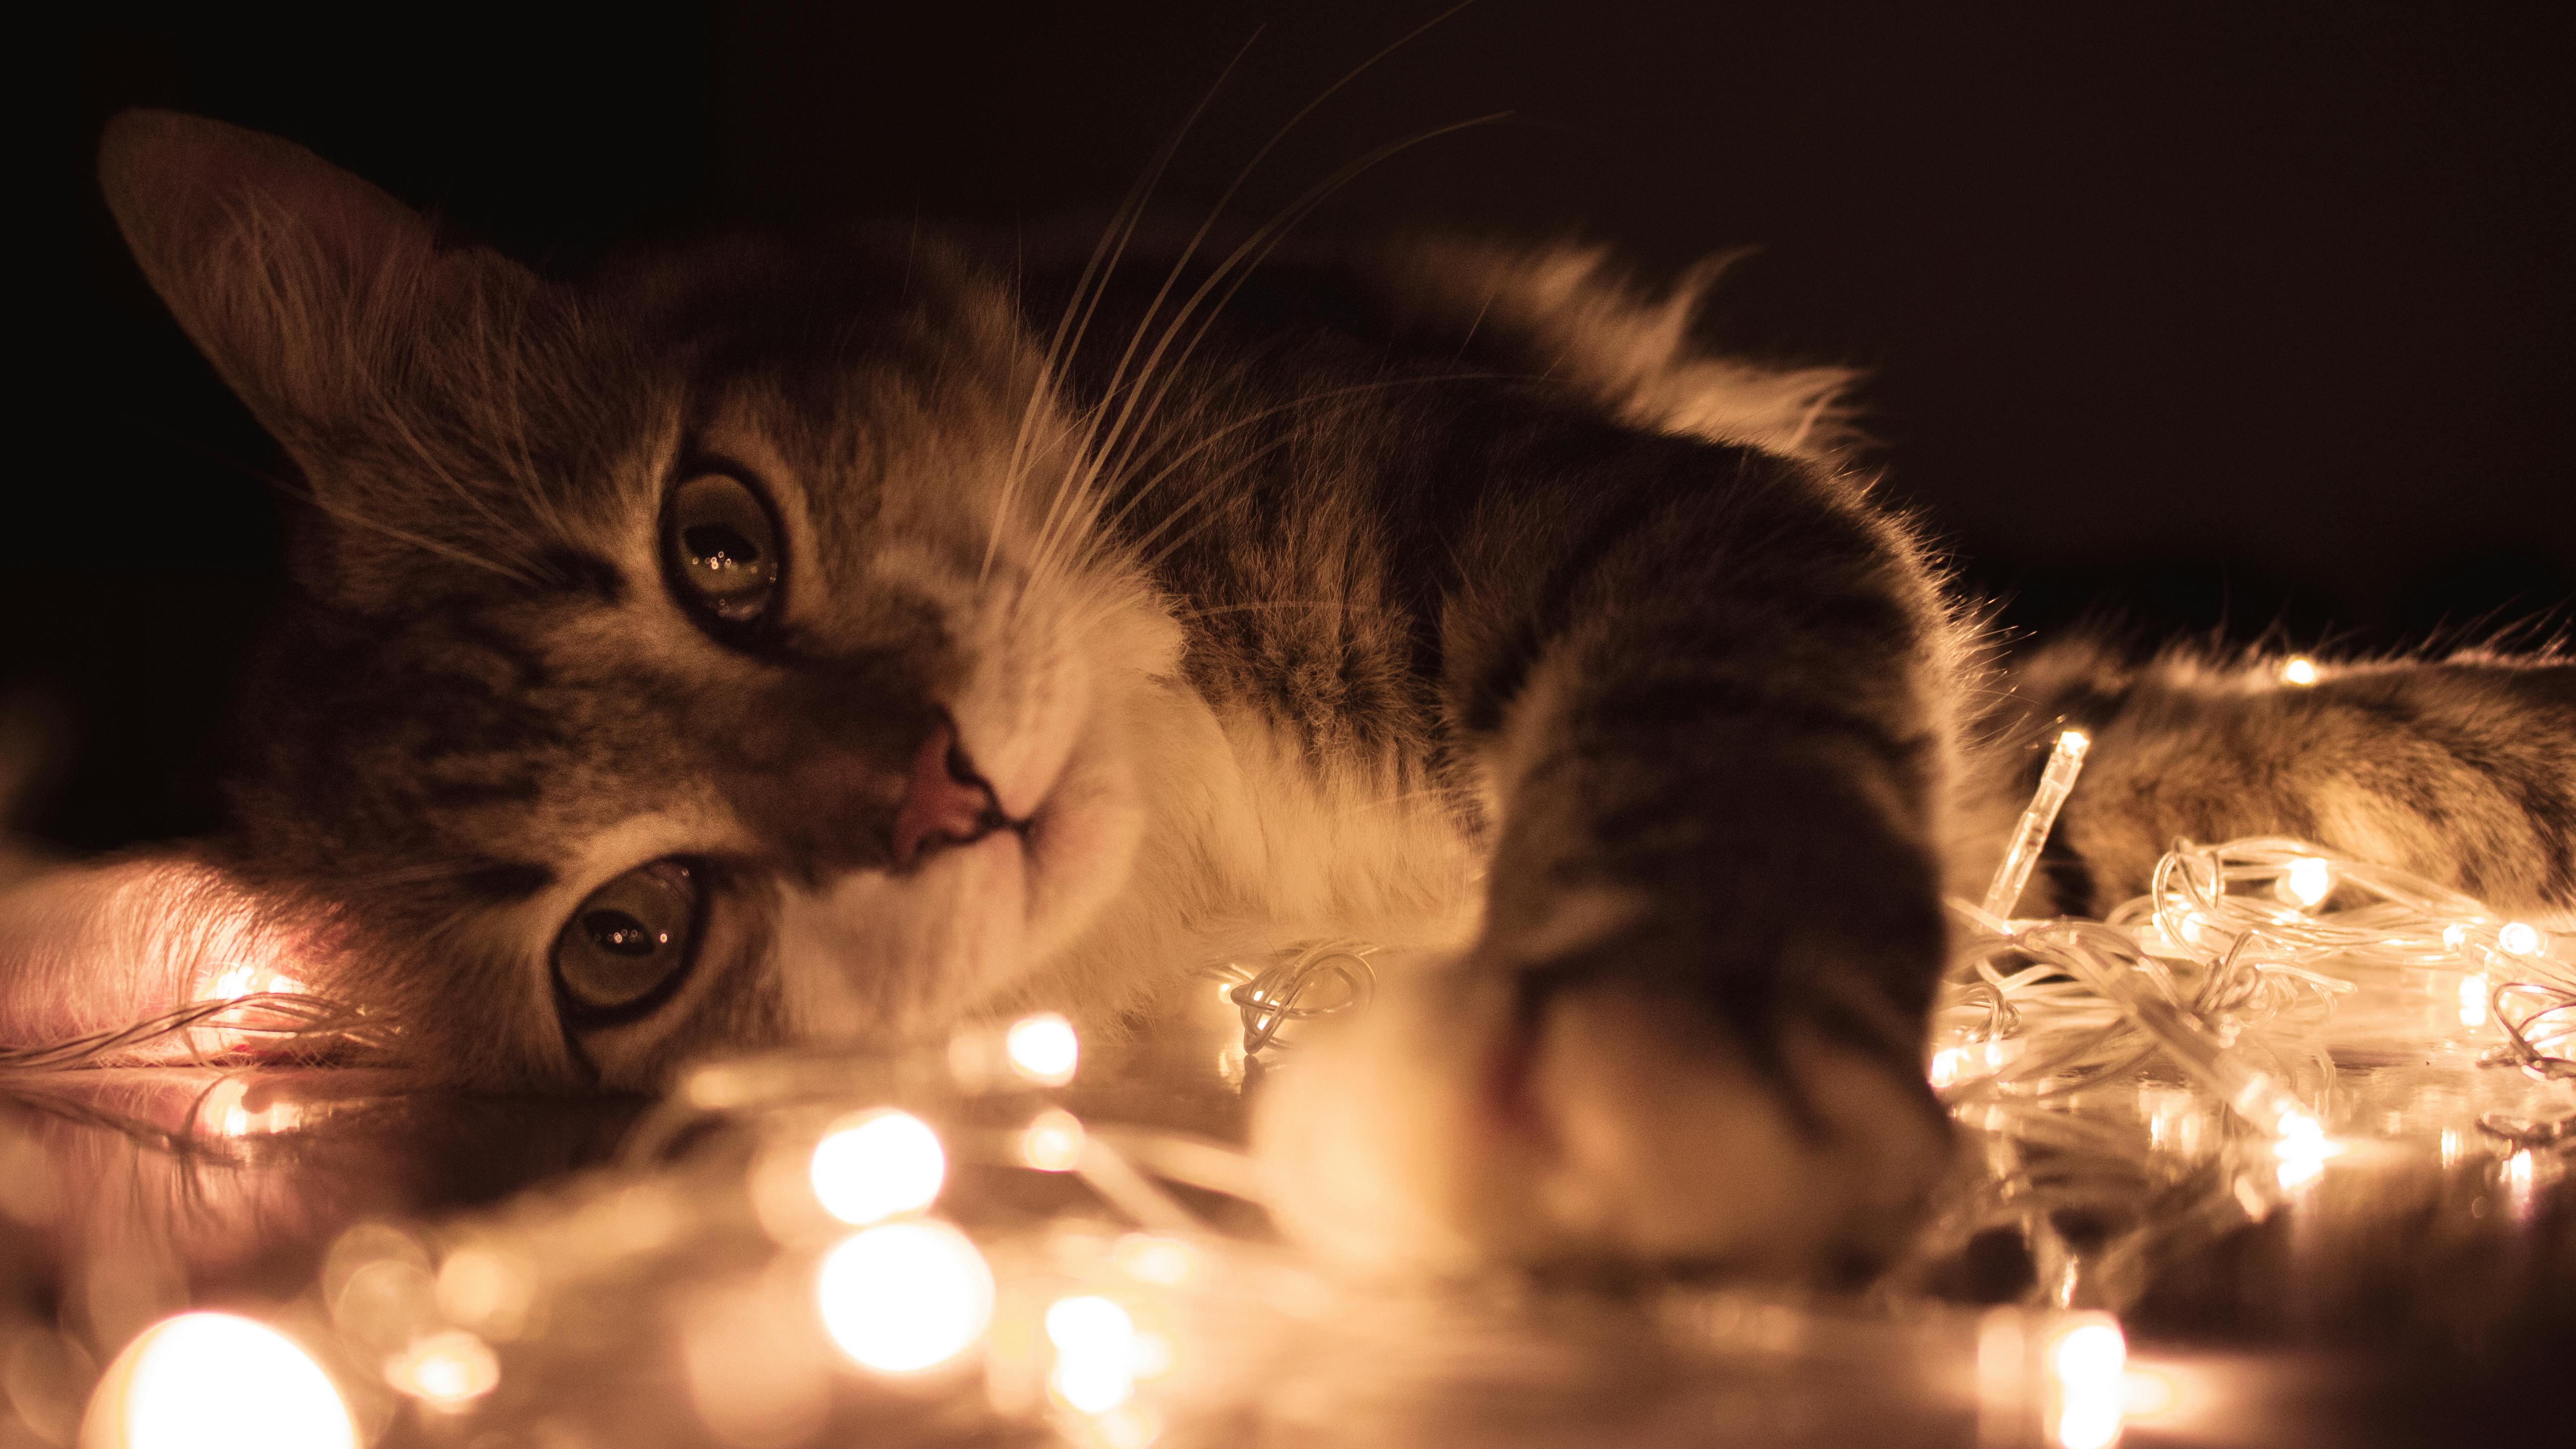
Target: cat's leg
[
  {"x": 1705, "y": 690},
  {"x": 2462, "y": 770}
]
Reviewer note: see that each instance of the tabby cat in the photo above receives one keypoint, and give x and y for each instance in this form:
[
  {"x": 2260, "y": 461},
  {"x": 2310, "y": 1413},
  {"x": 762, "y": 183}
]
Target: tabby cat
[{"x": 838, "y": 637}]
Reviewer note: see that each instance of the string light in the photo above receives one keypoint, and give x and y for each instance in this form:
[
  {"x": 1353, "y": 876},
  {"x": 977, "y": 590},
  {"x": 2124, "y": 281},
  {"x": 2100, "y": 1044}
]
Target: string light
[
  {"x": 217, "y": 1381},
  {"x": 905, "y": 1297},
  {"x": 1095, "y": 1353},
  {"x": 2299, "y": 671},
  {"x": 445, "y": 1369},
  {"x": 2087, "y": 1371},
  {"x": 876, "y": 1166},
  {"x": 1043, "y": 1049},
  {"x": 1052, "y": 1142}
]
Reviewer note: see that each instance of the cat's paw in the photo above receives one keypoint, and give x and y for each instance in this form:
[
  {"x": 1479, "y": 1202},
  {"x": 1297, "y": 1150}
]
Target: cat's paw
[{"x": 1482, "y": 1117}]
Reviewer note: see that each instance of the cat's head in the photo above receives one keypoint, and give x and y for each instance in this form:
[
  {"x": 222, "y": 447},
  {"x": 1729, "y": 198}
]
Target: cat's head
[{"x": 704, "y": 652}]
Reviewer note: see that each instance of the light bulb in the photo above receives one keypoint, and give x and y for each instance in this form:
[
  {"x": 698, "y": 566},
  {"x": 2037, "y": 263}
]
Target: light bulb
[
  {"x": 2299, "y": 670},
  {"x": 878, "y": 1165},
  {"x": 2087, "y": 1369},
  {"x": 1043, "y": 1049},
  {"x": 2518, "y": 938},
  {"x": 217, "y": 1381},
  {"x": 905, "y": 1297},
  {"x": 1052, "y": 1142},
  {"x": 1095, "y": 1352},
  {"x": 2309, "y": 881}
]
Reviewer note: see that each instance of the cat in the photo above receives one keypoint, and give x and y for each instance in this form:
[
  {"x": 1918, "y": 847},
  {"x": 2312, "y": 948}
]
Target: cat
[{"x": 836, "y": 637}]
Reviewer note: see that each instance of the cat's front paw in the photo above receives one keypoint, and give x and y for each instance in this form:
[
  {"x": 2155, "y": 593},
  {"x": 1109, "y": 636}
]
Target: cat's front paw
[{"x": 1511, "y": 1113}]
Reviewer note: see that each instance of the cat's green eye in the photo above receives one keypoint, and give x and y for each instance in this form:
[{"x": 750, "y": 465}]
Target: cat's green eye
[
  {"x": 630, "y": 942},
  {"x": 723, "y": 546}
]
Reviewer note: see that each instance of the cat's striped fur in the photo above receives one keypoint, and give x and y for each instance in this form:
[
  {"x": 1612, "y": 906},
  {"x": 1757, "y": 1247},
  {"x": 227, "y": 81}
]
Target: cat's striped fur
[{"x": 1445, "y": 596}]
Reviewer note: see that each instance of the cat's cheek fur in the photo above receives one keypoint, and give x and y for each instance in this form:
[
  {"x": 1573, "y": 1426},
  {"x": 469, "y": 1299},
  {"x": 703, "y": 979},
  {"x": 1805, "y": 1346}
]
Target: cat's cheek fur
[
  {"x": 1436, "y": 1136},
  {"x": 882, "y": 959}
]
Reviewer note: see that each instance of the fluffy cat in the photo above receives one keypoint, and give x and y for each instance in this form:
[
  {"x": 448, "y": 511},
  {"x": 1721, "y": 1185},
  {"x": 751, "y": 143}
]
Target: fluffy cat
[{"x": 836, "y": 637}]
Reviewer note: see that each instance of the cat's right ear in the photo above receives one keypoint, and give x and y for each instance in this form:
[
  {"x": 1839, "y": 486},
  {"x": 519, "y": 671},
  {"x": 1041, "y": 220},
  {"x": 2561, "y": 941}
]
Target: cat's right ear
[{"x": 297, "y": 279}]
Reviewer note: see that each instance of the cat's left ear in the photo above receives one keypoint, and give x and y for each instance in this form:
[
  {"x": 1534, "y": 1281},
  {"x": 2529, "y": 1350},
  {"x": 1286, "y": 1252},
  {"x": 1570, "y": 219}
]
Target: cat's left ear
[{"x": 301, "y": 282}]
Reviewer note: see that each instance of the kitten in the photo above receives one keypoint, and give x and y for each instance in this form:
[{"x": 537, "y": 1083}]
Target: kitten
[{"x": 833, "y": 638}]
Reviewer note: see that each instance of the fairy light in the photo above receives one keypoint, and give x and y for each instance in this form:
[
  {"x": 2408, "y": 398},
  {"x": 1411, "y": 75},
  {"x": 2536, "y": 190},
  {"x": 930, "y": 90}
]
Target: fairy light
[
  {"x": 2299, "y": 670},
  {"x": 1043, "y": 1049},
  {"x": 2056, "y": 782},
  {"x": 1052, "y": 1142},
  {"x": 2087, "y": 1371},
  {"x": 448, "y": 1370},
  {"x": 905, "y": 1297},
  {"x": 877, "y": 1166},
  {"x": 2309, "y": 880},
  {"x": 216, "y": 1381},
  {"x": 2473, "y": 1001},
  {"x": 2518, "y": 938},
  {"x": 1095, "y": 1353}
]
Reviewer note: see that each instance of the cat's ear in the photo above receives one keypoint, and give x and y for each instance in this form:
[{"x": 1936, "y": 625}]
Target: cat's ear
[{"x": 297, "y": 279}]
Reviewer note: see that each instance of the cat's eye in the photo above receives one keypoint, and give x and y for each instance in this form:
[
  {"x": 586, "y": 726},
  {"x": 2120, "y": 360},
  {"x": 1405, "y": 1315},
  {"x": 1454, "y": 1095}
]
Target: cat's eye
[
  {"x": 628, "y": 945},
  {"x": 722, "y": 546}
]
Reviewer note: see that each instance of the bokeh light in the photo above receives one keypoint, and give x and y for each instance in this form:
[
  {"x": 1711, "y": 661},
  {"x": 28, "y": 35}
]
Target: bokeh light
[
  {"x": 1052, "y": 1142},
  {"x": 876, "y": 1166},
  {"x": 447, "y": 1369},
  {"x": 1095, "y": 1352},
  {"x": 2087, "y": 1369},
  {"x": 2518, "y": 938},
  {"x": 2309, "y": 881},
  {"x": 217, "y": 1381},
  {"x": 1044, "y": 1049},
  {"x": 904, "y": 1297}
]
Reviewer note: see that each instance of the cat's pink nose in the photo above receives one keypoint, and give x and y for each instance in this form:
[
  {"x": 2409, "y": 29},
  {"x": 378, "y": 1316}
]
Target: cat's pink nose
[{"x": 947, "y": 803}]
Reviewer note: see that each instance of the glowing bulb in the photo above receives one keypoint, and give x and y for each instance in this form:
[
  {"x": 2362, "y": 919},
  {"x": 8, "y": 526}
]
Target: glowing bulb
[
  {"x": 2453, "y": 935},
  {"x": 903, "y": 1297},
  {"x": 1095, "y": 1353},
  {"x": 1167, "y": 1261},
  {"x": 1052, "y": 1142},
  {"x": 2087, "y": 1366},
  {"x": 2299, "y": 669},
  {"x": 2518, "y": 938},
  {"x": 2309, "y": 881},
  {"x": 216, "y": 1381},
  {"x": 2473, "y": 1001},
  {"x": 1948, "y": 1065},
  {"x": 1043, "y": 1049},
  {"x": 2303, "y": 1147},
  {"x": 447, "y": 1369},
  {"x": 878, "y": 1165}
]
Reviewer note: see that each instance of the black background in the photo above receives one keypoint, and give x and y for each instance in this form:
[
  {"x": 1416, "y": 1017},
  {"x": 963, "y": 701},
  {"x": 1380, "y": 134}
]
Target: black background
[{"x": 2222, "y": 321}]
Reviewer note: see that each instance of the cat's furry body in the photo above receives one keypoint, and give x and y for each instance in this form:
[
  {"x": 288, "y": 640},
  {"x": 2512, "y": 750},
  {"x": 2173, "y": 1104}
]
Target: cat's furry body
[{"x": 1449, "y": 597}]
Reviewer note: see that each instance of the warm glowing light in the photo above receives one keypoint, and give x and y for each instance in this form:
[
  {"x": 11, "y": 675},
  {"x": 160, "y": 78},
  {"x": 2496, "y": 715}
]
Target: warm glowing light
[
  {"x": 2454, "y": 935},
  {"x": 2309, "y": 881},
  {"x": 1095, "y": 1353},
  {"x": 235, "y": 982},
  {"x": 216, "y": 1381},
  {"x": 483, "y": 1288},
  {"x": 878, "y": 1165},
  {"x": 2450, "y": 1146},
  {"x": 1132, "y": 1427},
  {"x": 2146, "y": 1393},
  {"x": 447, "y": 1369},
  {"x": 1948, "y": 1065},
  {"x": 224, "y": 1111},
  {"x": 2473, "y": 1001},
  {"x": 2303, "y": 1147},
  {"x": 2299, "y": 669},
  {"x": 1052, "y": 1142},
  {"x": 904, "y": 1297},
  {"x": 1167, "y": 1261},
  {"x": 2087, "y": 1370},
  {"x": 1043, "y": 1049},
  {"x": 2518, "y": 938}
]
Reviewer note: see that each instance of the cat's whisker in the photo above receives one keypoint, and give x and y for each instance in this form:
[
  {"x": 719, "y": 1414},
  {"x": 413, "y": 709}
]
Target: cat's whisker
[
  {"x": 1091, "y": 287},
  {"x": 1190, "y": 251},
  {"x": 1266, "y": 240}
]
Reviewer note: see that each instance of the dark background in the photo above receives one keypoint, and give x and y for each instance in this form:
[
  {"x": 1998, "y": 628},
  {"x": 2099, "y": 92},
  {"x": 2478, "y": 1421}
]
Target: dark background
[{"x": 2235, "y": 321}]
